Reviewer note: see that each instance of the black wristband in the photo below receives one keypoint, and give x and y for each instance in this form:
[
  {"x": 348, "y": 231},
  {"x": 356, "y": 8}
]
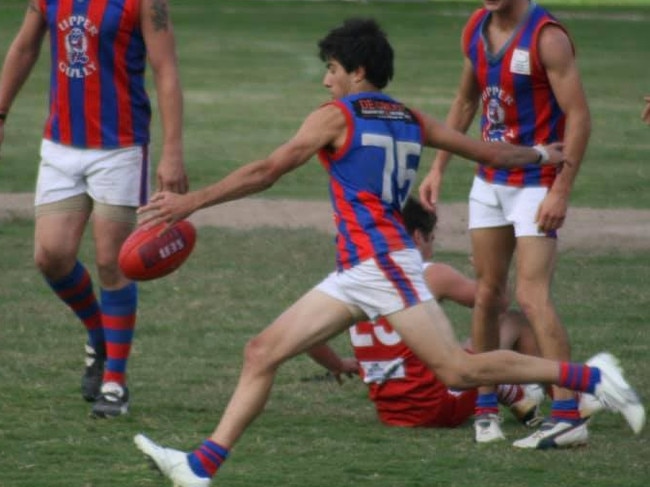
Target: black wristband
[{"x": 3, "y": 116}]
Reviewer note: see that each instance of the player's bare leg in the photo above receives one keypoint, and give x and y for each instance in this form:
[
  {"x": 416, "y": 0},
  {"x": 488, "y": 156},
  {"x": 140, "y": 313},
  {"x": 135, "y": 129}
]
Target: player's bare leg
[
  {"x": 57, "y": 237},
  {"x": 536, "y": 258},
  {"x": 492, "y": 250},
  {"x": 425, "y": 329},
  {"x": 311, "y": 320},
  {"x": 58, "y": 232},
  {"x": 515, "y": 333}
]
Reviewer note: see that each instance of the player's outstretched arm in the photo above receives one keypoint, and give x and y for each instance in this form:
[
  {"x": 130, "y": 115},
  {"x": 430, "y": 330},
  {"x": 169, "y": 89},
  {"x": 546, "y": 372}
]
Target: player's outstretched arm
[
  {"x": 497, "y": 154},
  {"x": 320, "y": 129}
]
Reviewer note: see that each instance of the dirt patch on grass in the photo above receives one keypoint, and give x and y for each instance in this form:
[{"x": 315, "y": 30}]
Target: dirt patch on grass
[{"x": 586, "y": 229}]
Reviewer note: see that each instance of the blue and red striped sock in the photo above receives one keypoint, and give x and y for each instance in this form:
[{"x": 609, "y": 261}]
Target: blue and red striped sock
[
  {"x": 206, "y": 459},
  {"x": 565, "y": 410},
  {"x": 486, "y": 404},
  {"x": 76, "y": 290},
  {"x": 119, "y": 310},
  {"x": 579, "y": 377}
]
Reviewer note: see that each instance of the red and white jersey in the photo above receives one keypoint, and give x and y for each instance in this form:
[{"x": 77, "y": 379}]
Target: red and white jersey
[{"x": 404, "y": 390}]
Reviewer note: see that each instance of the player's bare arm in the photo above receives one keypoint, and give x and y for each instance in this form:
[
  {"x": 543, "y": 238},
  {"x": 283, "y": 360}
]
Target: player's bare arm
[
  {"x": 557, "y": 56},
  {"x": 20, "y": 59},
  {"x": 161, "y": 50},
  {"x": 160, "y": 15},
  {"x": 324, "y": 355},
  {"x": 497, "y": 154},
  {"x": 445, "y": 282},
  {"x": 323, "y": 128},
  {"x": 460, "y": 117}
]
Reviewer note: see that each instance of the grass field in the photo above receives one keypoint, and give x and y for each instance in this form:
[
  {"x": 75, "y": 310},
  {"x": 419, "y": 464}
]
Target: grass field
[
  {"x": 249, "y": 80},
  {"x": 187, "y": 353}
]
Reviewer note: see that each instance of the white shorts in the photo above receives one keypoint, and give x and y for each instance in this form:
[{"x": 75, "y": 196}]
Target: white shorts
[
  {"x": 114, "y": 177},
  {"x": 497, "y": 205},
  {"x": 382, "y": 285}
]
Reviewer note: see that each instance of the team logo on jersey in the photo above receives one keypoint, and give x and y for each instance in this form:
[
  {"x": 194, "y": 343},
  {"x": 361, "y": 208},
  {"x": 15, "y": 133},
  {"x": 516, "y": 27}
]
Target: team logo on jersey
[
  {"x": 496, "y": 117},
  {"x": 520, "y": 62},
  {"x": 495, "y": 101},
  {"x": 78, "y": 64}
]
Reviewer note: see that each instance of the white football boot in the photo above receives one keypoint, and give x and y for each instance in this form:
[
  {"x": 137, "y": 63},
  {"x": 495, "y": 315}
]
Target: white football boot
[
  {"x": 487, "y": 428},
  {"x": 556, "y": 434},
  {"x": 615, "y": 394},
  {"x": 173, "y": 464},
  {"x": 589, "y": 405}
]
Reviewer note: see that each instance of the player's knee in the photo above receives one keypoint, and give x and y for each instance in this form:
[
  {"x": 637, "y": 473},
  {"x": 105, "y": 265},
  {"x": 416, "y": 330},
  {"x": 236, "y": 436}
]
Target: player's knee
[
  {"x": 456, "y": 378},
  {"x": 489, "y": 295},
  {"x": 53, "y": 264},
  {"x": 257, "y": 354},
  {"x": 532, "y": 301},
  {"x": 457, "y": 372},
  {"x": 109, "y": 273}
]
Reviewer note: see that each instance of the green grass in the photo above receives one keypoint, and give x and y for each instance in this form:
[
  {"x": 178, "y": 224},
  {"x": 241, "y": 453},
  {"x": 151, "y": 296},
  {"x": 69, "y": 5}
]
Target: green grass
[
  {"x": 250, "y": 74},
  {"x": 187, "y": 353},
  {"x": 249, "y": 80}
]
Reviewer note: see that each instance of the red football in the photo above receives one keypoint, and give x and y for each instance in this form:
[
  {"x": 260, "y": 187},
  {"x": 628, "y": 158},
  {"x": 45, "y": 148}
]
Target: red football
[{"x": 145, "y": 255}]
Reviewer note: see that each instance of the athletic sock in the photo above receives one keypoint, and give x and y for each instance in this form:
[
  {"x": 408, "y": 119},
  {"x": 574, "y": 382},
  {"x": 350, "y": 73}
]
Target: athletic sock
[
  {"x": 206, "y": 460},
  {"x": 76, "y": 290},
  {"x": 119, "y": 310},
  {"x": 579, "y": 377},
  {"x": 486, "y": 404},
  {"x": 508, "y": 394},
  {"x": 566, "y": 411}
]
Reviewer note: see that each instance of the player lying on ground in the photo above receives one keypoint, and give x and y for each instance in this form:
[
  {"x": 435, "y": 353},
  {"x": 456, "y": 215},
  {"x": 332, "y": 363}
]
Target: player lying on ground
[{"x": 404, "y": 391}]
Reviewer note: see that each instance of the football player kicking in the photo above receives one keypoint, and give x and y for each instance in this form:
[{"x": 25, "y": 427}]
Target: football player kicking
[{"x": 370, "y": 144}]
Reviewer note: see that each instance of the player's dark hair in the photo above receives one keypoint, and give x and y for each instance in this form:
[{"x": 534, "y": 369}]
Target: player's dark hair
[
  {"x": 358, "y": 43},
  {"x": 417, "y": 218}
]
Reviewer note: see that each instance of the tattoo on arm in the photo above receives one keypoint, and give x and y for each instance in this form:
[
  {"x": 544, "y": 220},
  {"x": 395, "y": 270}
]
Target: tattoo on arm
[
  {"x": 33, "y": 7},
  {"x": 159, "y": 15}
]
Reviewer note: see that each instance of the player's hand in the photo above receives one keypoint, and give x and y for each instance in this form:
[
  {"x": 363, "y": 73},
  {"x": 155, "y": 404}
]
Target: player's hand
[
  {"x": 171, "y": 176},
  {"x": 429, "y": 190},
  {"x": 551, "y": 212},
  {"x": 645, "y": 114},
  {"x": 349, "y": 366},
  {"x": 555, "y": 152},
  {"x": 165, "y": 207}
]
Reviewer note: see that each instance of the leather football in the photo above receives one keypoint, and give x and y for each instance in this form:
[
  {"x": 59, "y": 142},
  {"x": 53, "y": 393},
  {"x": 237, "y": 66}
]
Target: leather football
[{"x": 146, "y": 255}]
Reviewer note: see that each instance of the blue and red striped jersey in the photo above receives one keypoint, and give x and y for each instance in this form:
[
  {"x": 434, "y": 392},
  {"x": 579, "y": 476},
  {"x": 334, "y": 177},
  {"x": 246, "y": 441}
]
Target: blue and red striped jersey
[
  {"x": 518, "y": 105},
  {"x": 97, "y": 87},
  {"x": 371, "y": 175}
]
